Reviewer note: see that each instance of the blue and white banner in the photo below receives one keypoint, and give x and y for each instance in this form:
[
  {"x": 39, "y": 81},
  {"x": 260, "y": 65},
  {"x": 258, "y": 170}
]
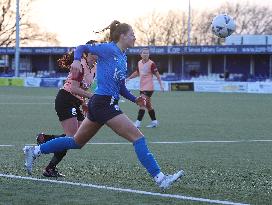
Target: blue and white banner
[
  {"x": 32, "y": 82},
  {"x": 260, "y": 87},
  {"x": 51, "y": 82},
  {"x": 155, "y": 50},
  {"x": 213, "y": 86}
]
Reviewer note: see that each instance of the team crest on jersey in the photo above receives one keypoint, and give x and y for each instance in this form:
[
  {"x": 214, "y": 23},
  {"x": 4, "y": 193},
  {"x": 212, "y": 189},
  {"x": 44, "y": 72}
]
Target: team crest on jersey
[
  {"x": 74, "y": 112},
  {"x": 117, "y": 107}
]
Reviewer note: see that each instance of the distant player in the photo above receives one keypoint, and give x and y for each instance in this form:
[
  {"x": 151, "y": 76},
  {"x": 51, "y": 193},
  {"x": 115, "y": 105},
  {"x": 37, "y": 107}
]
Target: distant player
[
  {"x": 70, "y": 104},
  {"x": 146, "y": 69}
]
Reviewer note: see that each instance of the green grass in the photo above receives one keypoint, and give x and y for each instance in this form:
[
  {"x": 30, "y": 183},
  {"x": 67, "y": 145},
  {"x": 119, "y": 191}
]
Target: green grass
[{"x": 239, "y": 172}]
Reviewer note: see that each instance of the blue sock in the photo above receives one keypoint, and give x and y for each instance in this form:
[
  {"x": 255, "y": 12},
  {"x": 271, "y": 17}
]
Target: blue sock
[
  {"x": 145, "y": 157},
  {"x": 58, "y": 145}
]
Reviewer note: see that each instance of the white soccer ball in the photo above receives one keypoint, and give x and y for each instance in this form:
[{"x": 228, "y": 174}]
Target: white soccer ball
[{"x": 223, "y": 25}]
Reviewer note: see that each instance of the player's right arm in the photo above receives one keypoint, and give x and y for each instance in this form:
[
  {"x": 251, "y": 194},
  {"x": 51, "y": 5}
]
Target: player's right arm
[
  {"x": 77, "y": 90},
  {"x": 133, "y": 75}
]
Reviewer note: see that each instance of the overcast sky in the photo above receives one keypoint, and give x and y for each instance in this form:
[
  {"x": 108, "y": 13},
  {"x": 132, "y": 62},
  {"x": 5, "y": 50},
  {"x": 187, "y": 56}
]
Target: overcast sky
[{"x": 74, "y": 21}]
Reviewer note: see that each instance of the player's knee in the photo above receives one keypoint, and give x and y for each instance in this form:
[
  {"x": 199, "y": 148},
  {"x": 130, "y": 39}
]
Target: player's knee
[
  {"x": 78, "y": 143},
  {"x": 149, "y": 106}
]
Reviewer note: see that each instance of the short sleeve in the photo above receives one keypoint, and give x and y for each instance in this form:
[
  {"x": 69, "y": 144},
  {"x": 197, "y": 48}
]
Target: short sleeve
[{"x": 154, "y": 68}]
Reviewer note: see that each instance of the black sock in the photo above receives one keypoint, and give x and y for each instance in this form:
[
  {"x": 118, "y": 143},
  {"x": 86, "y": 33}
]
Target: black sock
[
  {"x": 50, "y": 137},
  {"x": 58, "y": 156},
  {"x": 140, "y": 114},
  {"x": 152, "y": 114}
]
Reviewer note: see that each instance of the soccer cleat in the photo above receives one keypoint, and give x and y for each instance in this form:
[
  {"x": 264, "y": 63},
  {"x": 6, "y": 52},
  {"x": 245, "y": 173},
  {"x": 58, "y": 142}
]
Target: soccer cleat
[
  {"x": 52, "y": 173},
  {"x": 40, "y": 138},
  {"x": 29, "y": 158},
  {"x": 153, "y": 124},
  {"x": 168, "y": 180},
  {"x": 137, "y": 123}
]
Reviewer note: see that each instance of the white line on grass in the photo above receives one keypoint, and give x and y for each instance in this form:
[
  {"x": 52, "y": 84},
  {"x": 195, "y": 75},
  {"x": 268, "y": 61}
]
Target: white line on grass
[
  {"x": 180, "y": 142},
  {"x": 26, "y": 103},
  {"x": 125, "y": 190},
  {"x": 6, "y": 145}
]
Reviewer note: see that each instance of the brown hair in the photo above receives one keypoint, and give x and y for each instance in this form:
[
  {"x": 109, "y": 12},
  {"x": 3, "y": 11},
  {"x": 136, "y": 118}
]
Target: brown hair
[
  {"x": 116, "y": 29},
  {"x": 67, "y": 59}
]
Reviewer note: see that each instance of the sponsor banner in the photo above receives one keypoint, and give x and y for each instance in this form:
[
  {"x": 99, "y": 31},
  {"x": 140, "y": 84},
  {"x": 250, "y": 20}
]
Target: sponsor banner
[
  {"x": 235, "y": 87},
  {"x": 182, "y": 86},
  {"x": 4, "y": 82},
  {"x": 133, "y": 84},
  {"x": 211, "y": 86},
  {"x": 260, "y": 87},
  {"x": 17, "y": 82},
  {"x": 32, "y": 82},
  {"x": 207, "y": 86},
  {"x": 225, "y": 49},
  {"x": 158, "y": 50},
  {"x": 11, "y": 82},
  {"x": 51, "y": 82}
]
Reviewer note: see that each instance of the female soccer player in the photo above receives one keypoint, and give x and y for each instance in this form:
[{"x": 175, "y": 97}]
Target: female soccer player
[
  {"x": 103, "y": 105},
  {"x": 146, "y": 69},
  {"x": 69, "y": 103}
]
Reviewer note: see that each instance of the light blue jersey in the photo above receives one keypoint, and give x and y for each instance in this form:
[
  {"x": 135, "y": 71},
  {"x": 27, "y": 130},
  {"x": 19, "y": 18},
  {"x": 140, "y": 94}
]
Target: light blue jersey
[{"x": 111, "y": 66}]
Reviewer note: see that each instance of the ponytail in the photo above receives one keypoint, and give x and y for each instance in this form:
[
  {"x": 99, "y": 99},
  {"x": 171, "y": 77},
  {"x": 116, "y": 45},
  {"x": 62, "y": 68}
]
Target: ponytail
[{"x": 116, "y": 29}]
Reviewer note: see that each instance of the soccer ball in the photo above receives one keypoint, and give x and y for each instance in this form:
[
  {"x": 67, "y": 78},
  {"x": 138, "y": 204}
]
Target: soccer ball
[{"x": 223, "y": 25}]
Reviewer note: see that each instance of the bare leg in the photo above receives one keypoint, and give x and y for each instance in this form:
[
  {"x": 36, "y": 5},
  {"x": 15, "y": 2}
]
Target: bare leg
[
  {"x": 70, "y": 126},
  {"x": 86, "y": 131},
  {"x": 124, "y": 127}
]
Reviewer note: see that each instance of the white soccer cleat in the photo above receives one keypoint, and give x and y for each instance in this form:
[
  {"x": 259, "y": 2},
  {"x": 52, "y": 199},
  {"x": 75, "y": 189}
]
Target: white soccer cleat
[
  {"x": 137, "y": 123},
  {"x": 153, "y": 124},
  {"x": 29, "y": 158},
  {"x": 168, "y": 180}
]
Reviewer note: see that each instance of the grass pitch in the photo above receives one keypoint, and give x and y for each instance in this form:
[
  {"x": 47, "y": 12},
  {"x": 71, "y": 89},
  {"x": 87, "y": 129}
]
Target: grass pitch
[{"x": 237, "y": 170}]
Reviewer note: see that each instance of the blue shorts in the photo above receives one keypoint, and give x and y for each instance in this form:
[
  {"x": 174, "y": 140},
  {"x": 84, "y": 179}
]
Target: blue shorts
[{"x": 102, "y": 108}]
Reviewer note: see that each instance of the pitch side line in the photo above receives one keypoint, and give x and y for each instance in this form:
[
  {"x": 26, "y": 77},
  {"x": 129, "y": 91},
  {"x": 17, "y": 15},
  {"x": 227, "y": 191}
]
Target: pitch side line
[
  {"x": 26, "y": 103},
  {"x": 124, "y": 190},
  {"x": 180, "y": 142}
]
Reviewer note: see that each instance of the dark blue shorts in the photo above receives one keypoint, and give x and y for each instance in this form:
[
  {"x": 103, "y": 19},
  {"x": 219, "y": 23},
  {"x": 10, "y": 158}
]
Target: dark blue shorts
[{"x": 102, "y": 108}]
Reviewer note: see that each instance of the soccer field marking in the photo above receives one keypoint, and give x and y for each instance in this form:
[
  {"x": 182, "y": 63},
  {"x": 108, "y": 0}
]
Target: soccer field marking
[
  {"x": 180, "y": 142},
  {"x": 174, "y": 196},
  {"x": 6, "y": 145},
  {"x": 164, "y": 142},
  {"x": 26, "y": 103}
]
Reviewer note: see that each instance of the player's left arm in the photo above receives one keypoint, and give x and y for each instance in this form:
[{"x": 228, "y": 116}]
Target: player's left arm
[
  {"x": 155, "y": 71},
  {"x": 140, "y": 101}
]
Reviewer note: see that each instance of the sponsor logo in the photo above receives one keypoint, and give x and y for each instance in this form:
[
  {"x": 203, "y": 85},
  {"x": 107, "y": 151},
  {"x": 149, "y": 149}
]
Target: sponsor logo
[{"x": 74, "y": 112}]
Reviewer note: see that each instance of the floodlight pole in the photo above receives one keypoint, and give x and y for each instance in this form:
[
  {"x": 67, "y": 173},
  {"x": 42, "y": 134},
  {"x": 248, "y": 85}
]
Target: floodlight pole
[
  {"x": 17, "y": 48},
  {"x": 189, "y": 24}
]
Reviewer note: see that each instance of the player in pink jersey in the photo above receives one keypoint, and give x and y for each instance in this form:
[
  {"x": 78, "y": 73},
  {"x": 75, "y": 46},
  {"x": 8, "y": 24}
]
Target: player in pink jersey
[
  {"x": 70, "y": 104},
  {"x": 145, "y": 70}
]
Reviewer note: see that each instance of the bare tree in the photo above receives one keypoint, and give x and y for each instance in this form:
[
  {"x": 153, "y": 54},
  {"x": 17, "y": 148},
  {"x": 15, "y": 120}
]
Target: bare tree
[
  {"x": 170, "y": 29},
  {"x": 148, "y": 29},
  {"x": 30, "y": 33},
  {"x": 250, "y": 18}
]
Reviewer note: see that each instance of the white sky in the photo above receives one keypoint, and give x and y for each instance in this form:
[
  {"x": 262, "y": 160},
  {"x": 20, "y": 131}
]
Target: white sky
[{"x": 74, "y": 21}]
